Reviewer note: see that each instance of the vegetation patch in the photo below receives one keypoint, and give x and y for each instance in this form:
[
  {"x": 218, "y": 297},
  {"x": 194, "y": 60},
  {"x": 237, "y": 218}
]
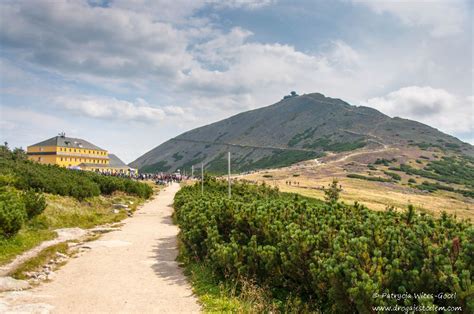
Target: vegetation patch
[
  {"x": 25, "y": 175},
  {"x": 278, "y": 158},
  {"x": 330, "y": 257},
  {"x": 308, "y": 133},
  {"x": 385, "y": 162},
  {"x": 326, "y": 144},
  {"x": 362, "y": 177},
  {"x": 393, "y": 175},
  {"x": 36, "y": 199},
  {"x": 26, "y": 239},
  {"x": 160, "y": 166},
  {"x": 38, "y": 261},
  {"x": 177, "y": 157},
  {"x": 456, "y": 170}
]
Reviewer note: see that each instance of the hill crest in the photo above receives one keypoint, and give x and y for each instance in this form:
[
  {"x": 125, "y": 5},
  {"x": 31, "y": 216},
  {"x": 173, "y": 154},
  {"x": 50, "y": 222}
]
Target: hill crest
[{"x": 294, "y": 129}]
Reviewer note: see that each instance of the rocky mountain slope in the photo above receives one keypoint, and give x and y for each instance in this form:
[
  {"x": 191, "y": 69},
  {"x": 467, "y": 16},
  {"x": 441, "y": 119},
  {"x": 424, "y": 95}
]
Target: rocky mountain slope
[{"x": 294, "y": 129}]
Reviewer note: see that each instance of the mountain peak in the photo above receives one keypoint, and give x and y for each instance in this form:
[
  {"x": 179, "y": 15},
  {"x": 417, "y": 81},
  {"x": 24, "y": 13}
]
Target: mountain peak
[{"x": 296, "y": 128}]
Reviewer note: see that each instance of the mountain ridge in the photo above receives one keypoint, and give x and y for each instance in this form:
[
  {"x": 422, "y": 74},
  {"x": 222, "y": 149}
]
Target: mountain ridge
[{"x": 289, "y": 131}]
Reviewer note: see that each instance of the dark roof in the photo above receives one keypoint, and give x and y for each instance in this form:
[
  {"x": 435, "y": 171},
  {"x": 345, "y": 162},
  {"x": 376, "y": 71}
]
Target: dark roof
[
  {"x": 63, "y": 141},
  {"x": 115, "y": 162}
]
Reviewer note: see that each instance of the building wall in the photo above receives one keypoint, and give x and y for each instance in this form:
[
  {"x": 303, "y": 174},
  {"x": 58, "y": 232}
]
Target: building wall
[{"x": 67, "y": 156}]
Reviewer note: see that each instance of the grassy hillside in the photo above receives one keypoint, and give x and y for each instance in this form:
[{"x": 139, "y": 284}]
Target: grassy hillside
[{"x": 395, "y": 176}]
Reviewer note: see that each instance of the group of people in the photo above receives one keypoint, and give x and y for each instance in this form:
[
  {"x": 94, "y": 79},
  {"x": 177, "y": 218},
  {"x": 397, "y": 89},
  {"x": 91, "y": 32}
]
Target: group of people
[
  {"x": 296, "y": 183},
  {"x": 162, "y": 178},
  {"x": 117, "y": 174}
]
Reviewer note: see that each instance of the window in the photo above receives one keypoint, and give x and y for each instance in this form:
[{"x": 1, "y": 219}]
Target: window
[{"x": 61, "y": 158}]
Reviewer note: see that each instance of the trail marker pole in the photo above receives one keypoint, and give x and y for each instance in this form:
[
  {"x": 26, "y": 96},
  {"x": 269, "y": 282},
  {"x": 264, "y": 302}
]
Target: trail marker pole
[
  {"x": 228, "y": 166},
  {"x": 202, "y": 179}
]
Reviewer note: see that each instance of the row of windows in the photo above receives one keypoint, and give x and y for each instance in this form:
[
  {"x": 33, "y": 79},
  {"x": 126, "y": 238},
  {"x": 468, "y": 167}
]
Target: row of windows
[
  {"x": 94, "y": 161},
  {"x": 78, "y": 150}
]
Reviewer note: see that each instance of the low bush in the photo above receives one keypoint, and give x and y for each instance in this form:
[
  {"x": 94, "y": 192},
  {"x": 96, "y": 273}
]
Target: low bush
[
  {"x": 12, "y": 212},
  {"x": 333, "y": 257},
  {"x": 34, "y": 202},
  {"x": 361, "y": 177},
  {"x": 393, "y": 175},
  {"x": 26, "y": 175}
]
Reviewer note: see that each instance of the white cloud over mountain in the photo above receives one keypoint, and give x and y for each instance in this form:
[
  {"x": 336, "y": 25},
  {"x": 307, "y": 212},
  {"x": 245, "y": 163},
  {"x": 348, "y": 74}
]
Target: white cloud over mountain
[
  {"x": 192, "y": 61},
  {"x": 432, "y": 106}
]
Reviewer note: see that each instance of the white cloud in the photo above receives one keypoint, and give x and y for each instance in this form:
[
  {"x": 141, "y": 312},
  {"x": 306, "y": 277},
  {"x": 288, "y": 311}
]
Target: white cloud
[
  {"x": 160, "y": 51},
  {"x": 77, "y": 39},
  {"x": 435, "y": 107},
  {"x": 442, "y": 17},
  {"x": 111, "y": 108},
  {"x": 241, "y": 4}
]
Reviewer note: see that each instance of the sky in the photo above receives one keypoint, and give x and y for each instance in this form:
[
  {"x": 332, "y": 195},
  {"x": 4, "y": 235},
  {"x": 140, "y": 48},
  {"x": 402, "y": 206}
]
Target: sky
[{"x": 127, "y": 75}]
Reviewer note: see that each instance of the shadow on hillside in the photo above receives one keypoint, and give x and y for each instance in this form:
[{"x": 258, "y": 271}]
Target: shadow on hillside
[{"x": 166, "y": 267}]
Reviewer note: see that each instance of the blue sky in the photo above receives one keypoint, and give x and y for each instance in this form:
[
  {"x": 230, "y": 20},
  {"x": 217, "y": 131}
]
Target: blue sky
[{"x": 128, "y": 75}]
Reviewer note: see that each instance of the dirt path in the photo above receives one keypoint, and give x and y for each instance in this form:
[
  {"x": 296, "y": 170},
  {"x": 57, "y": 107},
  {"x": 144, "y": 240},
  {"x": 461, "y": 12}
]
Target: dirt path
[{"x": 128, "y": 271}]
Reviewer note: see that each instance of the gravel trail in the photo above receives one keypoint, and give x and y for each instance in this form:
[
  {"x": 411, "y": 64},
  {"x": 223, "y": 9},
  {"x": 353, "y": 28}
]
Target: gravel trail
[{"x": 132, "y": 270}]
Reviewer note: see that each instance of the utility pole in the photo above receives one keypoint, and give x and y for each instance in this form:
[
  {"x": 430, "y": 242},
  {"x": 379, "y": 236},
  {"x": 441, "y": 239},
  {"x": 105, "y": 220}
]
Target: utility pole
[
  {"x": 202, "y": 179},
  {"x": 228, "y": 166}
]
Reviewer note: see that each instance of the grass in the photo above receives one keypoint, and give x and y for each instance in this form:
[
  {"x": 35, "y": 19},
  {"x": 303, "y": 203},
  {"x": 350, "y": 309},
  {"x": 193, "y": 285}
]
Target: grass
[
  {"x": 213, "y": 295},
  {"x": 371, "y": 194},
  {"x": 243, "y": 296},
  {"x": 38, "y": 261},
  {"x": 65, "y": 212},
  {"x": 24, "y": 240}
]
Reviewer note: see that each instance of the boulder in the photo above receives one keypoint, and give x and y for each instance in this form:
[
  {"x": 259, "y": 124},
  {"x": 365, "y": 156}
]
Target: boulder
[{"x": 12, "y": 284}]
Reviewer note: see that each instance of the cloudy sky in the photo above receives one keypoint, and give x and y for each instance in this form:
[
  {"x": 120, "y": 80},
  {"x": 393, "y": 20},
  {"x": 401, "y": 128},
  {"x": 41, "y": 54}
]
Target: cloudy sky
[{"x": 129, "y": 74}]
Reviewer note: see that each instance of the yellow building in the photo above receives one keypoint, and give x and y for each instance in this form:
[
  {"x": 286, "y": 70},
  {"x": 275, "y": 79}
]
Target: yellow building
[{"x": 76, "y": 153}]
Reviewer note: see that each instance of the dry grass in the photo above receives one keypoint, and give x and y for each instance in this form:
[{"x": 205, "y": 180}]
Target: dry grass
[
  {"x": 66, "y": 212},
  {"x": 312, "y": 175}
]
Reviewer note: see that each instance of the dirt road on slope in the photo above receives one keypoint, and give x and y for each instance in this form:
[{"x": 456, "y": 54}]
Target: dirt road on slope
[{"x": 132, "y": 270}]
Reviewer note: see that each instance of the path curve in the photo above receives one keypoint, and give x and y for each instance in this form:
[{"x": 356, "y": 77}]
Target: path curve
[{"x": 132, "y": 270}]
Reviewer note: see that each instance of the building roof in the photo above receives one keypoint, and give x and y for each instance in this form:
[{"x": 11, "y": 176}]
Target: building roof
[
  {"x": 63, "y": 141},
  {"x": 116, "y": 162}
]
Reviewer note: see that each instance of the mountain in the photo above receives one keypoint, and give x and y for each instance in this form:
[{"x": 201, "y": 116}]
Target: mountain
[{"x": 294, "y": 129}]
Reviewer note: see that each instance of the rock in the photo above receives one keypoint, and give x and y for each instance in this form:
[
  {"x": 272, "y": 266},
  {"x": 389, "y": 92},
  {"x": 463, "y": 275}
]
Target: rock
[
  {"x": 130, "y": 202},
  {"x": 11, "y": 284},
  {"x": 116, "y": 211},
  {"x": 67, "y": 234},
  {"x": 61, "y": 255},
  {"x": 120, "y": 206},
  {"x": 51, "y": 276}
]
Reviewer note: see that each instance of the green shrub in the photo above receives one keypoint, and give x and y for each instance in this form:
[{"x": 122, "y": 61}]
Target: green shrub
[
  {"x": 12, "y": 212},
  {"x": 393, "y": 175},
  {"x": 26, "y": 175},
  {"x": 34, "y": 202},
  {"x": 334, "y": 257},
  {"x": 361, "y": 177},
  {"x": 411, "y": 180}
]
